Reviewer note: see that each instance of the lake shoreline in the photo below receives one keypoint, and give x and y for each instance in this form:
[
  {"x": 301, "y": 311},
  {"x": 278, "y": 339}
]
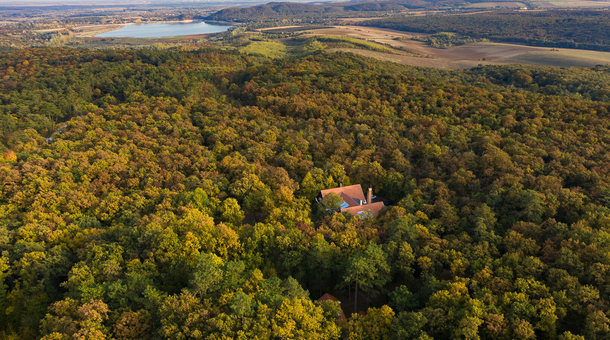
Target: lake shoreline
[{"x": 162, "y": 34}]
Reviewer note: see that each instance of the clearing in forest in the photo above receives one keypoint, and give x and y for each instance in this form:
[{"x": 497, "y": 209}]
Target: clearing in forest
[
  {"x": 554, "y": 4},
  {"x": 464, "y": 56}
]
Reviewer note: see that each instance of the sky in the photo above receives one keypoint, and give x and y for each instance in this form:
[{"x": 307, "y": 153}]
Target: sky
[
  {"x": 102, "y": 2},
  {"x": 155, "y": 2},
  {"x": 110, "y": 2}
]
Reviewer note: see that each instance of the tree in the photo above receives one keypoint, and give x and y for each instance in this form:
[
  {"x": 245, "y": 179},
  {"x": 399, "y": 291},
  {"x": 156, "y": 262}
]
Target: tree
[
  {"x": 320, "y": 260},
  {"x": 302, "y": 319},
  {"x": 182, "y": 316},
  {"x": 484, "y": 221},
  {"x": 403, "y": 299},
  {"x": 597, "y": 325},
  {"x": 331, "y": 203},
  {"x": 374, "y": 325},
  {"x": 231, "y": 212},
  {"x": 409, "y": 325},
  {"x": 523, "y": 330},
  {"x": 369, "y": 175},
  {"x": 207, "y": 275},
  {"x": 532, "y": 204},
  {"x": 67, "y": 318},
  {"x": 4, "y": 267},
  {"x": 133, "y": 325},
  {"x": 569, "y": 336},
  {"x": 309, "y": 187},
  {"x": 241, "y": 304},
  {"x": 367, "y": 270},
  {"x": 468, "y": 328},
  {"x": 394, "y": 186},
  {"x": 271, "y": 292}
]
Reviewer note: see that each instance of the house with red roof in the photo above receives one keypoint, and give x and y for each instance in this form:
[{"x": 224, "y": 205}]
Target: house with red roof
[
  {"x": 354, "y": 201},
  {"x": 326, "y": 297}
]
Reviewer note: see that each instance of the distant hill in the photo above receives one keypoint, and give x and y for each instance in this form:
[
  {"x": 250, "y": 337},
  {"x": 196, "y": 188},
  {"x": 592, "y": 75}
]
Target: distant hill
[
  {"x": 288, "y": 10},
  {"x": 580, "y": 29},
  {"x": 270, "y": 10},
  {"x": 375, "y": 6}
]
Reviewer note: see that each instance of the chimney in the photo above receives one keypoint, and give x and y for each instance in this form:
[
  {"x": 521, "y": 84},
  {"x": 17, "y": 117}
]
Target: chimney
[
  {"x": 369, "y": 197},
  {"x": 340, "y": 185}
]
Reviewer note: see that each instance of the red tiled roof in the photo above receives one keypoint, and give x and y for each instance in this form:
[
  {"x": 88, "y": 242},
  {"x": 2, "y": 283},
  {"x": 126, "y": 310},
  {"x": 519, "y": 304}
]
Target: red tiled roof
[
  {"x": 348, "y": 200},
  {"x": 353, "y": 191},
  {"x": 326, "y": 297},
  {"x": 375, "y": 208}
]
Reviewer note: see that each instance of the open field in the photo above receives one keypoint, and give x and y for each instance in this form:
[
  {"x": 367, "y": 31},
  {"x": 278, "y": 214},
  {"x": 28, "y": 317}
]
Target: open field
[
  {"x": 465, "y": 56},
  {"x": 357, "y": 19},
  {"x": 564, "y": 58},
  {"x": 499, "y": 55},
  {"x": 509, "y": 53},
  {"x": 496, "y": 4},
  {"x": 365, "y": 32},
  {"x": 93, "y": 30},
  {"x": 275, "y": 28},
  {"x": 414, "y": 61},
  {"x": 291, "y": 29},
  {"x": 49, "y": 30},
  {"x": 269, "y": 49},
  {"x": 572, "y": 4}
]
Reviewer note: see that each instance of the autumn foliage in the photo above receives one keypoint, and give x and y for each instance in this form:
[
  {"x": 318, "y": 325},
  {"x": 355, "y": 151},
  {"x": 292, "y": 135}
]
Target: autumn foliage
[{"x": 170, "y": 195}]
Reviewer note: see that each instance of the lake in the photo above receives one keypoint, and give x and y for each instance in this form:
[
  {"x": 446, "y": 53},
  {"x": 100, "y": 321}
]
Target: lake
[{"x": 164, "y": 30}]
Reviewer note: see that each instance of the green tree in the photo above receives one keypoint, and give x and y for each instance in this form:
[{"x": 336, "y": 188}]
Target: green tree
[
  {"x": 231, "y": 212},
  {"x": 367, "y": 271},
  {"x": 208, "y": 274},
  {"x": 403, "y": 299},
  {"x": 374, "y": 325},
  {"x": 241, "y": 304},
  {"x": 331, "y": 203},
  {"x": 182, "y": 317},
  {"x": 302, "y": 319},
  {"x": 409, "y": 325}
]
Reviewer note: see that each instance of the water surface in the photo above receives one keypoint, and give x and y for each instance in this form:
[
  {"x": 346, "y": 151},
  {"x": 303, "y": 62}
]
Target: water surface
[{"x": 164, "y": 30}]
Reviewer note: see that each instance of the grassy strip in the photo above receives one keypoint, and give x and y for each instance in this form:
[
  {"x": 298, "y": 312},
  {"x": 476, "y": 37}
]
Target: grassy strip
[
  {"x": 270, "y": 49},
  {"x": 356, "y": 42},
  {"x": 294, "y": 29}
]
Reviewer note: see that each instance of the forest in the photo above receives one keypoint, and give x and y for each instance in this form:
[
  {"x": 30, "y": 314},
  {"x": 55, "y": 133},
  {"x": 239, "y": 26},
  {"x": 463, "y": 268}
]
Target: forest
[
  {"x": 553, "y": 28},
  {"x": 282, "y": 11},
  {"x": 148, "y": 194}
]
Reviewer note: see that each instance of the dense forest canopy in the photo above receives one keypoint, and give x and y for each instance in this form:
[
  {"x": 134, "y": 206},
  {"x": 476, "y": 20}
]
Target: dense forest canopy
[
  {"x": 566, "y": 28},
  {"x": 287, "y": 10},
  {"x": 170, "y": 195}
]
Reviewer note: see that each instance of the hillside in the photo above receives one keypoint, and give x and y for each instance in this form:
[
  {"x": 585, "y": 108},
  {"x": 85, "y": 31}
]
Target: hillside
[
  {"x": 176, "y": 199},
  {"x": 564, "y": 29},
  {"x": 288, "y": 10}
]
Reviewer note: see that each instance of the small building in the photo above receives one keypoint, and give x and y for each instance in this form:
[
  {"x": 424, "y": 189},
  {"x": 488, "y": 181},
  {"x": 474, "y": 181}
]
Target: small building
[
  {"x": 354, "y": 200},
  {"x": 326, "y": 297}
]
